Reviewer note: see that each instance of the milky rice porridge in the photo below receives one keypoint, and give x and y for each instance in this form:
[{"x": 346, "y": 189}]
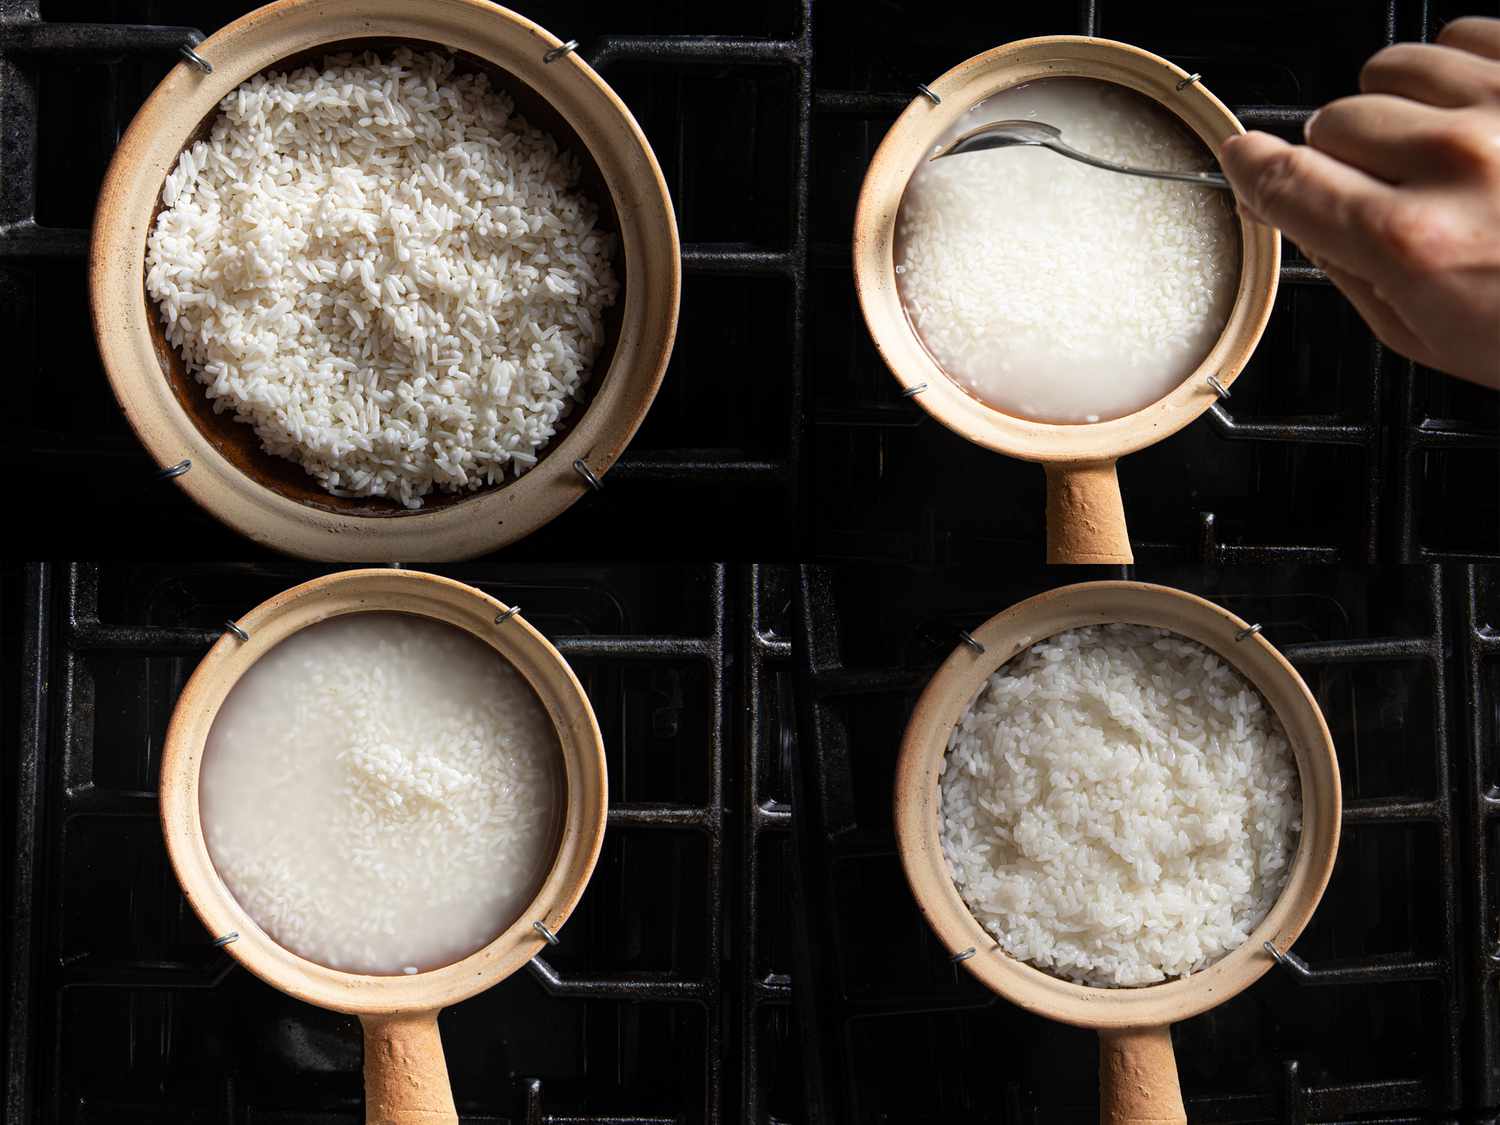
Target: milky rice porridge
[
  {"x": 1059, "y": 292},
  {"x": 382, "y": 793}
]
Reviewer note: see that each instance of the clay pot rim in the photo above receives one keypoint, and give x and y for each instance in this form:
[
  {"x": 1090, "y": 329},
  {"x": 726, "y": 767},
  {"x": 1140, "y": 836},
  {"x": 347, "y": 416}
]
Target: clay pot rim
[
  {"x": 474, "y": 524},
  {"x": 438, "y": 598},
  {"x": 912, "y": 136},
  {"x": 948, "y": 695}
]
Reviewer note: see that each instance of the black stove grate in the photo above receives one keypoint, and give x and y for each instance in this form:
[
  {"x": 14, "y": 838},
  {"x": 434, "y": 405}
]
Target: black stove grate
[
  {"x": 1367, "y": 457},
  {"x": 1479, "y": 648},
  {"x": 727, "y": 425},
  {"x": 119, "y": 1009},
  {"x": 1380, "y": 1026}
]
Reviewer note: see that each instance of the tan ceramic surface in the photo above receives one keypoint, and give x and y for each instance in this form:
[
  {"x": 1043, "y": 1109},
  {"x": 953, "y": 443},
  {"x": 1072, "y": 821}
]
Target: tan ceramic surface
[
  {"x": 426, "y": 595},
  {"x": 271, "y": 500},
  {"x": 949, "y": 695},
  {"x": 911, "y": 139}
]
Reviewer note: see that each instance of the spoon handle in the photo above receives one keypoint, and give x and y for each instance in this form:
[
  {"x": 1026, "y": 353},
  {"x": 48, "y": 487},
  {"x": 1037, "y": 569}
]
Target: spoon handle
[{"x": 1206, "y": 179}]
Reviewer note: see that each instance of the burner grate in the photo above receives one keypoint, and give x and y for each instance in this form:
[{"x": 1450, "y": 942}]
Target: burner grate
[
  {"x": 1379, "y": 1022},
  {"x": 1479, "y": 638},
  {"x": 121, "y": 1010}
]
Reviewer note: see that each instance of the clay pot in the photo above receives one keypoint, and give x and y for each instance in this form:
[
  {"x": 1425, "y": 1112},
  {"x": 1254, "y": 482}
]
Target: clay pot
[
  {"x": 1085, "y": 514},
  {"x": 273, "y": 500},
  {"x": 405, "y": 1076},
  {"x": 1138, "y": 1074}
]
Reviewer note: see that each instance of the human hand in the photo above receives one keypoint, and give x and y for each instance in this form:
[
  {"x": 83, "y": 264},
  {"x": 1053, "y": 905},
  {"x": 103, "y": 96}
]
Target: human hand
[{"x": 1396, "y": 196}]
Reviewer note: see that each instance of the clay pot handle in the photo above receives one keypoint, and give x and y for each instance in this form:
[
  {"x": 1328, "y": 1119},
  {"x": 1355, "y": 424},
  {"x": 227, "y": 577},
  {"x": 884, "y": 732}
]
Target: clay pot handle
[
  {"x": 1085, "y": 516},
  {"x": 406, "y": 1077},
  {"x": 1138, "y": 1078}
]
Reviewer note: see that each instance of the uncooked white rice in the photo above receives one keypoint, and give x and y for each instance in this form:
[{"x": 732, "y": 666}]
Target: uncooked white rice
[
  {"x": 386, "y": 272},
  {"x": 1056, "y": 291},
  {"x": 381, "y": 793},
  {"x": 1119, "y": 806}
]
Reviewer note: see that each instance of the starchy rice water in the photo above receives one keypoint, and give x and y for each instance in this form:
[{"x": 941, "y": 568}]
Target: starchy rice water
[
  {"x": 1059, "y": 292},
  {"x": 382, "y": 793}
]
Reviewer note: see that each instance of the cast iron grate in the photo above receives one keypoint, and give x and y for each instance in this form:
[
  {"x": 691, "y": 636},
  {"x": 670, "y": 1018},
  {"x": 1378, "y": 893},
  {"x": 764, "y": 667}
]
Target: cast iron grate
[
  {"x": 1479, "y": 649},
  {"x": 1380, "y": 1027},
  {"x": 1331, "y": 448},
  {"x": 119, "y": 1009},
  {"x": 724, "y": 97}
]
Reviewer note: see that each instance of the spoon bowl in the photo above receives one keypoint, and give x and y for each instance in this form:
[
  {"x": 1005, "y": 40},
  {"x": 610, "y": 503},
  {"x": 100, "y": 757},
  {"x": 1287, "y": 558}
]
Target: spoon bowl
[{"x": 1001, "y": 134}]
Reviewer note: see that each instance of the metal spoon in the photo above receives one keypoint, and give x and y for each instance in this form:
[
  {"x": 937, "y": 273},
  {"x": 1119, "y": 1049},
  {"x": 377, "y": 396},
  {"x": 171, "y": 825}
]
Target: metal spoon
[{"x": 1004, "y": 134}]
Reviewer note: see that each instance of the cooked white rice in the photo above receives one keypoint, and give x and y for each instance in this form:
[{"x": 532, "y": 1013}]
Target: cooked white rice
[
  {"x": 1119, "y": 806},
  {"x": 386, "y": 272},
  {"x": 381, "y": 793}
]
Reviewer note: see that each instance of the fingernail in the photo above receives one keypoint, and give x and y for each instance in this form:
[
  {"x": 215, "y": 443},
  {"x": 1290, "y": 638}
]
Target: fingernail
[{"x": 1307, "y": 128}]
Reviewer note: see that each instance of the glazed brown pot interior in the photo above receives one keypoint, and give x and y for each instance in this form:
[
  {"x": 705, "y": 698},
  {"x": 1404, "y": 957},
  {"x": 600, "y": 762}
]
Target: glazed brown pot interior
[
  {"x": 238, "y": 442},
  {"x": 1085, "y": 513},
  {"x": 405, "y": 1075},
  {"x": 1138, "y": 1075}
]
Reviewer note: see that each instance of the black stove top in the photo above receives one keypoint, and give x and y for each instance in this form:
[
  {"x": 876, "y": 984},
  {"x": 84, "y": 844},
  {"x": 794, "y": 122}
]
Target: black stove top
[
  {"x": 668, "y": 999},
  {"x": 732, "y": 961}
]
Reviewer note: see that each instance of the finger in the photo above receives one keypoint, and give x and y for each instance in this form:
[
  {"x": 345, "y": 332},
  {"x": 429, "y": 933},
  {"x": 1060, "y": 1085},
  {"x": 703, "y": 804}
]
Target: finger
[
  {"x": 1434, "y": 75},
  {"x": 1383, "y": 320},
  {"x": 1475, "y": 34},
  {"x": 1388, "y": 137},
  {"x": 1318, "y": 201}
]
